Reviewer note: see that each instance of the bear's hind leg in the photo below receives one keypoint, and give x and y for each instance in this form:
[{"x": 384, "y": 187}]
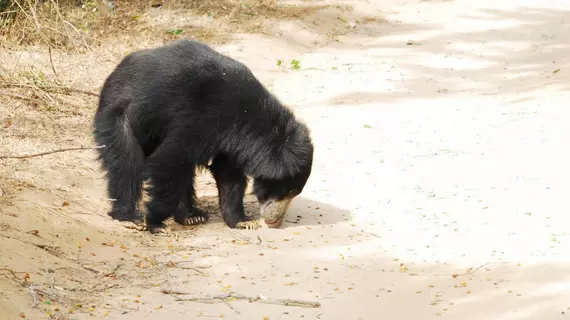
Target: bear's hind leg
[
  {"x": 126, "y": 188},
  {"x": 169, "y": 169},
  {"x": 231, "y": 182},
  {"x": 123, "y": 160},
  {"x": 187, "y": 213}
]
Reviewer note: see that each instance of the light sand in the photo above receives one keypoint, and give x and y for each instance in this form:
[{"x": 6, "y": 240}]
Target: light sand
[{"x": 440, "y": 133}]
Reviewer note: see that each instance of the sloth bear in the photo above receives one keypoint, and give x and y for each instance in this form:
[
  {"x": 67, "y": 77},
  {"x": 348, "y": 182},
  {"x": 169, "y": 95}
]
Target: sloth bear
[{"x": 165, "y": 112}]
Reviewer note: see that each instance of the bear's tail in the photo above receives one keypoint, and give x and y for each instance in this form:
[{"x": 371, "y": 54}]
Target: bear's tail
[{"x": 122, "y": 158}]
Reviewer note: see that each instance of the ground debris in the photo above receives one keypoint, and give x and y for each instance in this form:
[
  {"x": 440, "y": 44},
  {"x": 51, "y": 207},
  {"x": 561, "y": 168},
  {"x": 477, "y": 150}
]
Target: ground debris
[{"x": 232, "y": 296}]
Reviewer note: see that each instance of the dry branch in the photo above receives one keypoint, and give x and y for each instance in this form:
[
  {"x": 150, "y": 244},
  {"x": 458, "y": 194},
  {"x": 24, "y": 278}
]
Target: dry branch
[
  {"x": 12, "y": 272},
  {"x": 49, "y": 152},
  {"x": 48, "y": 88},
  {"x": 232, "y": 296},
  {"x": 16, "y": 96}
]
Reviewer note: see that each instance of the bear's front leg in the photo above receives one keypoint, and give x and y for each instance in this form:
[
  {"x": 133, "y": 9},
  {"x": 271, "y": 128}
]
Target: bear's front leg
[
  {"x": 231, "y": 183},
  {"x": 187, "y": 213}
]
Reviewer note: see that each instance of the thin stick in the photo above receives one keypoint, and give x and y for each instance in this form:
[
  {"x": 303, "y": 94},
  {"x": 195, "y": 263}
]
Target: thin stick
[
  {"x": 194, "y": 268},
  {"x": 16, "y": 96},
  {"x": 51, "y": 62},
  {"x": 470, "y": 271},
  {"x": 234, "y": 309},
  {"x": 18, "y": 85},
  {"x": 50, "y": 152},
  {"x": 79, "y": 33},
  {"x": 232, "y": 296},
  {"x": 12, "y": 272}
]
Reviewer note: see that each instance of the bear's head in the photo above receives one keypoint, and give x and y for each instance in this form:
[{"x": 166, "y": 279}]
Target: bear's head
[{"x": 275, "y": 193}]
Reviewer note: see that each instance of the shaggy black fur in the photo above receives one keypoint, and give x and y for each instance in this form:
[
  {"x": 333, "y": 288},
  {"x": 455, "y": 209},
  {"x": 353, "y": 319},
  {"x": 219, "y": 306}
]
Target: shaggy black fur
[{"x": 167, "y": 111}]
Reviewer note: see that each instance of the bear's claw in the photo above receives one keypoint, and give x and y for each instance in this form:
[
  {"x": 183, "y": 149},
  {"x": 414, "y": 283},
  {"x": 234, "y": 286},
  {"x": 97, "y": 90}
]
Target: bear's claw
[{"x": 249, "y": 225}]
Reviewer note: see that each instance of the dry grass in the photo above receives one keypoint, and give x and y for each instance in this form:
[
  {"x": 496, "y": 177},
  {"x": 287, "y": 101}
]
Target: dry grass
[
  {"x": 43, "y": 93},
  {"x": 41, "y": 23},
  {"x": 62, "y": 24}
]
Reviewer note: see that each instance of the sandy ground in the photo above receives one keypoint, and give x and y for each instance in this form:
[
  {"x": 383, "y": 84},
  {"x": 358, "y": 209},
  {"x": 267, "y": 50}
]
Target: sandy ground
[{"x": 437, "y": 190}]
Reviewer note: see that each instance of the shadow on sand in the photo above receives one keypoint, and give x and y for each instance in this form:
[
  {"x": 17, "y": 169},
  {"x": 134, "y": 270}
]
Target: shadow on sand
[{"x": 302, "y": 212}]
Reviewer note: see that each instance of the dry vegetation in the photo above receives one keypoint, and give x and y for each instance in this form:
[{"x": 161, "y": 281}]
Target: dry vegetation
[
  {"x": 54, "y": 56},
  {"x": 80, "y": 24}
]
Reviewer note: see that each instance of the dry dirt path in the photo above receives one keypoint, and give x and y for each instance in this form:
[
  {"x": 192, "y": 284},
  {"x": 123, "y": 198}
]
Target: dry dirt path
[{"x": 438, "y": 187}]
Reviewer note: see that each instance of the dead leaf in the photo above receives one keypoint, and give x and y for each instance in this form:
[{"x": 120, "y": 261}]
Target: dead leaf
[{"x": 65, "y": 204}]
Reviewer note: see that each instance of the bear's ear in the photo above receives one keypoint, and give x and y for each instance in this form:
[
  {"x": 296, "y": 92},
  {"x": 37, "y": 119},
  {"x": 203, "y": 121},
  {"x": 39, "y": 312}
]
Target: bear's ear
[
  {"x": 297, "y": 153},
  {"x": 289, "y": 153}
]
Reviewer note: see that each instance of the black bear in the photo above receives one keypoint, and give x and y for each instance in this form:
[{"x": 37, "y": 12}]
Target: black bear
[{"x": 167, "y": 111}]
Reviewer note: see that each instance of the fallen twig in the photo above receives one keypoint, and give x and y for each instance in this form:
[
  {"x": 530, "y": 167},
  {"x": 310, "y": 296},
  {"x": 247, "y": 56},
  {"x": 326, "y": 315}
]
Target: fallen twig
[
  {"x": 90, "y": 268},
  {"x": 230, "y": 306},
  {"x": 49, "y": 152},
  {"x": 469, "y": 271},
  {"x": 16, "y": 96},
  {"x": 194, "y": 268},
  {"x": 12, "y": 272},
  {"x": 55, "y": 296},
  {"x": 46, "y": 88},
  {"x": 232, "y": 296},
  {"x": 51, "y": 62},
  {"x": 114, "y": 272}
]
